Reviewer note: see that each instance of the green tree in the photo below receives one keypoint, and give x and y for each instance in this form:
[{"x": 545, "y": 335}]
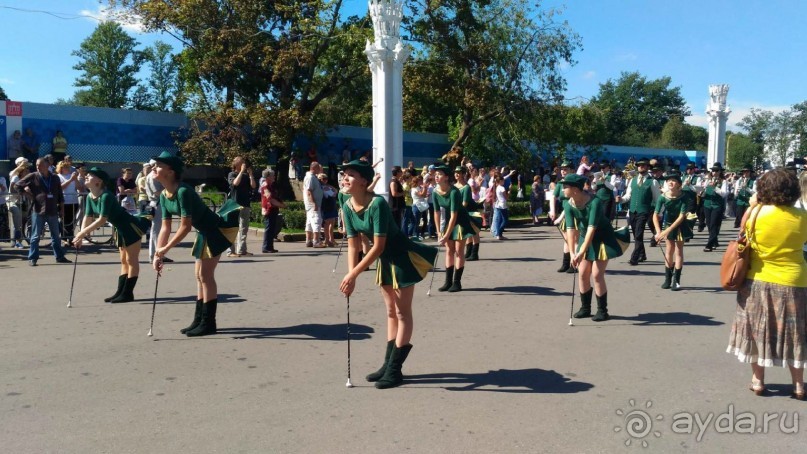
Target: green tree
[
  {"x": 108, "y": 62},
  {"x": 800, "y": 126},
  {"x": 259, "y": 70},
  {"x": 756, "y": 125},
  {"x": 486, "y": 59},
  {"x": 637, "y": 109},
  {"x": 676, "y": 134},
  {"x": 781, "y": 138},
  {"x": 163, "y": 82},
  {"x": 3, "y": 96},
  {"x": 742, "y": 150},
  {"x": 699, "y": 138}
]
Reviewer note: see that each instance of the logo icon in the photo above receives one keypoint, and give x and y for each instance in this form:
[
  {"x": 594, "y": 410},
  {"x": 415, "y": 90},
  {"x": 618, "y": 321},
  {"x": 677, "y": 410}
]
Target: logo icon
[{"x": 637, "y": 423}]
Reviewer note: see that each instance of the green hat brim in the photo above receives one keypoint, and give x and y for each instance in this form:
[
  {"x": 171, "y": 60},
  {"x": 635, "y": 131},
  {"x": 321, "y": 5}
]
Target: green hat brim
[
  {"x": 364, "y": 169},
  {"x": 174, "y": 162},
  {"x": 99, "y": 173}
]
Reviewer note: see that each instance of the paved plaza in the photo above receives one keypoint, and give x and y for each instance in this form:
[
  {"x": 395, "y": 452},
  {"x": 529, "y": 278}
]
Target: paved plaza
[{"x": 494, "y": 368}]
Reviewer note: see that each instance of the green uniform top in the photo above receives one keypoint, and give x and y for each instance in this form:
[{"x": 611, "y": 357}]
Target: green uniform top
[
  {"x": 711, "y": 199},
  {"x": 468, "y": 198},
  {"x": 402, "y": 262},
  {"x": 604, "y": 244},
  {"x": 674, "y": 206},
  {"x": 603, "y": 192},
  {"x": 130, "y": 229},
  {"x": 641, "y": 196},
  {"x": 689, "y": 181},
  {"x": 451, "y": 201},
  {"x": 107, "y": 206},
  {"x": 558, "y": 193},
  {"x": 187, "y": 204},
  {"x": 744, "y": 193},
  {"x": 341, "y": 198}
]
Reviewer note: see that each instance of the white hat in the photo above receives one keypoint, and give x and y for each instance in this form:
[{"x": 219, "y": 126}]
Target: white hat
[
  {"x": 151, "y": 162},
  {"x": 20, "y": 160}
]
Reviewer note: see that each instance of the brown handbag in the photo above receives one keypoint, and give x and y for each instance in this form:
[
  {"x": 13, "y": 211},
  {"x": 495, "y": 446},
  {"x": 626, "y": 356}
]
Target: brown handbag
[{"x": 737, "y": 259}]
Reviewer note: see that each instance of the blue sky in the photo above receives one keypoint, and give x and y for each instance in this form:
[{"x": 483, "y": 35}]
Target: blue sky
[{"x": 757, "y": 47}]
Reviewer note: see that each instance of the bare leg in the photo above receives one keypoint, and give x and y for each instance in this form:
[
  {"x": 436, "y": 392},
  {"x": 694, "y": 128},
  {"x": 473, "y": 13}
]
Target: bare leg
[
  {"x": 392, "y": 318},
  {"x": 451, "y": 248},
  {"x": 132, "y": 256},
  {"x": 403, "y": 311},
  {"x": 598, "y": 273},
  {"x": 584, "y": 276},
  {"x": 679, "y": 254},
  {"x": 207, "y": 278},
  {"x": 197, "y": 270},
  {"x": 124, "y": 264},
  {"x": 459, "y": 247},
  {"x": 797, "y": 375}
]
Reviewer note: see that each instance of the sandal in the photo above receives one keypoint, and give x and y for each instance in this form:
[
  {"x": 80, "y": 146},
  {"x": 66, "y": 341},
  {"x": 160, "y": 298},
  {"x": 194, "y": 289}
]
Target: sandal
[
  {"x": 757, "y": 387},
  {"x": 798, "y": 394},
  {"x": 231, "y": 254}
]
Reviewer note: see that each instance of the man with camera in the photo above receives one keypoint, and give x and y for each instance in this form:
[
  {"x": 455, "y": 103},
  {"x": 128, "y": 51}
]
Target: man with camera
[{"x": 242, "y": 185}]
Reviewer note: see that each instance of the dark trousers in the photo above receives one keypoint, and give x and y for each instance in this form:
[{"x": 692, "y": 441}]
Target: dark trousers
[
  {"x": 739, "y": 211},
  {"x": 269, "y": 230},
  {"x": 69, "y": 221},
  {"x": 701, "y": 215},
  {"x": 714, "y": 219},
  {"x": 432, "y": 229},
  {"x": 638, "y": 221}
]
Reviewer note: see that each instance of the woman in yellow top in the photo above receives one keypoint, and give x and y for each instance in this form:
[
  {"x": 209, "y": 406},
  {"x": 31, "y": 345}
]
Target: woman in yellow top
[
  {"x": 770, "y": 325},
  {"x": 59, "y": 150}
]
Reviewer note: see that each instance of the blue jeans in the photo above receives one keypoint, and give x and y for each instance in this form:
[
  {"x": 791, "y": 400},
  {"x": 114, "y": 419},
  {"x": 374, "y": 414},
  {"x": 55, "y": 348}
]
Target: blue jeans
[
  {"x": 498, "y": 221},
  {"x": 38, "y": 228},
  {"x": 417, "y": 217}
]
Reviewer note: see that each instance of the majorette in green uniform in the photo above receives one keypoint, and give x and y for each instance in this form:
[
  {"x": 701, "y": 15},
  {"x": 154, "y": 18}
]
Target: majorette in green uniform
[
  {"x": 678, "y": 208},
  {"x": 466, "y": 193},
  {"x": 102, "y": 207},
  {"x": 592, "y": 241},
  {"x": 556, "y": 215},
  {"x": 401, "y": 263},
  {"x": 215, "y": 232},
  {"x": 604, "y": 190},
  {"x": 458, "y": 227},
  {"x": 746, "y": 187}
]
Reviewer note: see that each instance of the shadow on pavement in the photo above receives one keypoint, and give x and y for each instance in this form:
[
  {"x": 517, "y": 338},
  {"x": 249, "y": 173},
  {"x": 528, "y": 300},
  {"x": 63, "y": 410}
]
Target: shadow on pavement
[
  {"x": 223, "y": 298},
  {"x": 308, "y": 331},
  {"x": 519, "y": 259},
  {"x": 519, "y": 289},
  {"x": 504, "y": 381},
  {"x": 635, "y": 272},
  {"x": 670, "y": 318}
]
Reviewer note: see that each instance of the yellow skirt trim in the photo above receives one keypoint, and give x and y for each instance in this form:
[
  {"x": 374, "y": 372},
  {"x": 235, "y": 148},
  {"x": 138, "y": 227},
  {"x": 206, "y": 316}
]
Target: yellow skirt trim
[
  {"x": 602, "y": 254},
  {"x": 422, "y": 266}
]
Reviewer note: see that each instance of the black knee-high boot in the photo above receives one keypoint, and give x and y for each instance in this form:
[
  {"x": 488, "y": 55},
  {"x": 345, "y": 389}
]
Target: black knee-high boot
[
  {"x": 585, "y": 304},
  {"x": 602, "y": 308},
  {"x": 457, "y": 285},
  {"x": 668, "y": 272},
  {"x": 375, "y": 376},
  {"x": 127, "y": 294},
  {"x": 468, "y": 249},
  {"x": 393, "y": 376},
  {"x": 676, "y": 283},
  {"x": 208, "y": 323},
  {"x": 474, "y": 253},
  {"x": 197, "y": 318},
  {"x": 567, "y": 260},
  {"x": 449, "y": 279},
  {"x": 121, "y": 283}
]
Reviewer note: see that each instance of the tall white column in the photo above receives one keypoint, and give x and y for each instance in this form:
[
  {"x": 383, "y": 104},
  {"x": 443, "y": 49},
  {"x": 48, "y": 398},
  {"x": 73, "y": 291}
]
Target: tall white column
[
  {"x": 386, "y": 55},
  {"x": 717, "y": 113}
]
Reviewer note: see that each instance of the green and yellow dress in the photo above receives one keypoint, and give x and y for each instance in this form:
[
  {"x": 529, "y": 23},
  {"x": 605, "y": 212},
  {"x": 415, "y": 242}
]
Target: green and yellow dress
[
  {"x": 215, "y": 232},
  {"x": 471, "y": 206},
  {"x": 606, "y": 243},
  {"x": 403, "y": 262},
  {"x": 673, "y": 207},
  {"x": 129, "y": 229},
  {"x": 452, "y": 202},
  {"x": 560, "y": 200}
]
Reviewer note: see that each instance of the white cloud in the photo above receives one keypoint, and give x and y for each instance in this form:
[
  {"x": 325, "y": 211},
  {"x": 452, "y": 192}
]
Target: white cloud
[
  {"x": 739, "y": 110},
  {"x": 6, "y": 81},
  {"x": 626, "y": 56},
  {"x": 590, "y": 75},
  {"x": 132, "y": 24}
]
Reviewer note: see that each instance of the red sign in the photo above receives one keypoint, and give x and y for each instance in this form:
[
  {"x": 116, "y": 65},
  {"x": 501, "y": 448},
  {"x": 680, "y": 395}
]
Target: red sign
[{"x": 13, "y": 109}]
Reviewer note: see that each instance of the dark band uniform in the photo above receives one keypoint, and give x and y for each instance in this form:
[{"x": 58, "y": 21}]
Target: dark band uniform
[
  {"x": 129, "y": 229},
  {"x": 403, "y": 262},
  {"x": 215, "y": 232}
]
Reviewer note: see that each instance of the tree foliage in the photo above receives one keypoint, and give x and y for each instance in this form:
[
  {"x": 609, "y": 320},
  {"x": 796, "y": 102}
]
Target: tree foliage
[
  {"x": 3, "y": 96},
  {"x": 776, "y": 136},
  {"x": 485, "y": 59},
  {"x": 163, "y": 85},
  {"x": 275, "y": 61},
  {"x": 637, "y": 109},
  {"x": 108, "y": 63},
  {"x": 742, "y": 150}
]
